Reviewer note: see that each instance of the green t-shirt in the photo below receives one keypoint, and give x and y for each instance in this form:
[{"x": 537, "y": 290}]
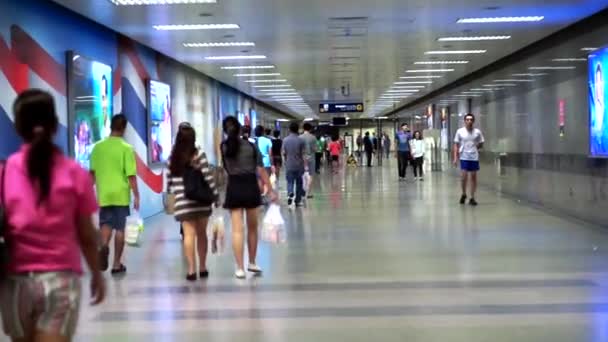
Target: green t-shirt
[{"x": 113, "y": 162}]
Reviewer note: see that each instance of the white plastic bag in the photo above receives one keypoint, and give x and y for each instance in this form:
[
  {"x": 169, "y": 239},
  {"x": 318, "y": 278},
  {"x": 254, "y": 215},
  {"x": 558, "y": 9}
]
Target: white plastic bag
[
  {"x": 134, "y": 230},
  {"x": 273, "y": 180},
  {"x": 273, "y": 229},
  {"x": 306, "y": 181},
  {"x": 218, "y": 233}
]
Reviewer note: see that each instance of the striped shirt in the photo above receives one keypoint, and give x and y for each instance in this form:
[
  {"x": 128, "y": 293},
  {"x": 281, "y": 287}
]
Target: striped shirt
[{"x": 185, "y": 208}]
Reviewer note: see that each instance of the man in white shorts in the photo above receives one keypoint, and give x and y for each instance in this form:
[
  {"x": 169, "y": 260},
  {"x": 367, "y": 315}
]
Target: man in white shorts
[{"x": 467, "y": 143}]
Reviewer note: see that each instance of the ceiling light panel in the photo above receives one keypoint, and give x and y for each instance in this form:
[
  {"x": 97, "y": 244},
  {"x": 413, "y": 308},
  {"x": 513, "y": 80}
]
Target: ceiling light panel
[
  {"x": 420, "y": 77},
  {"x": 569, "y": 60},
  {"x": 266, "y": 81},
  {"x": 408, "y": 87},
  {"x": 440, "y": 62},
  {"x": 160, "y": 2},
  {"x": 196, "y": 27},
  {"x": 429, "y": 70},
  {"x": 514, "y": 80},
  {"x": 271, "y": 86},
  {"x": 414, "y": 82},
  {"x": 455, "y": 52},
  {"x": 271, "y": 90},
  {"x": 529, "y": 75},
  {"x": 552, "y": 68},
  {"x": 258, "y": 75},
  {"x": 500, "y": 20},
  {"x": 218, "y": 44},
  {"x": 248, "y": 67},
  {"x": 477, "y": 38}
]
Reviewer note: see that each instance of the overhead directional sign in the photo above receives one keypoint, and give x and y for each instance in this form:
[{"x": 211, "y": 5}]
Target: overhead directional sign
[{"x": 341, "y": 108}]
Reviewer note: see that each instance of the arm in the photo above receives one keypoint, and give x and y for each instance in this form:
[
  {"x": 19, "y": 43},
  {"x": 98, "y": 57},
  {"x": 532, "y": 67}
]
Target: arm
[
  {"x": 131, "y": 173},
  {"x": 481, "y": 141},
  {"x": 455, "y": 153},
  {"x": 203, "y": 164}
]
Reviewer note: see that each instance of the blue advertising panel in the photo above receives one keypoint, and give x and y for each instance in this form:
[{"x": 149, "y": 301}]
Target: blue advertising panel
[{"x": 598, "y": 121}]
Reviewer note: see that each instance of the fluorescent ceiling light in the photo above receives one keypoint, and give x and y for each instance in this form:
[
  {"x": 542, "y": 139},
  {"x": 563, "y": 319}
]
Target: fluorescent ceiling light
[
  {"x": 309, "y": 119},
  {"x": 160, "y": 2},
  {"x": 440, "y": 62},
  {"x": 281, "y": 94},
  {"x": 248, "y": 67},
  {"x": 514, "y": 80},
  {"x": 283, "y": 120},
  {"x": 589, "y": 49},
  {"x": 258, "y": 75},
  {"x": 271, "y": 86},
  {"x": 569, "y": 60},
  {"x": 529, "y": 75},
  {"x": 420, "y": 77},
  {"x": 471, "y": 95},
  {"x": 500, "y": 20},
  {"x": 218, "y": 44},
  {"x": 265, "y": 81},
  {"x": 408, "y": 87},
  {"x": 414, "y": 82},
  {"x": 196, "y": 27},
  {"x": 403, "y": 91},
  {"x": 430, "y": 70},
  {"x": 222, "y": 58},
  {"x": 274, "y": 89},
  {"x": 552, "y": 68},
  {"x": 455, "y": 52},
  {"x": 500, "y": 85},
  {"x": 477, "y": 38}
]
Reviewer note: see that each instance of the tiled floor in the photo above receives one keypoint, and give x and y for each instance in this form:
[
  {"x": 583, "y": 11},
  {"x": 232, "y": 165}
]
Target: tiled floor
[{"x": 374, "y": 259}]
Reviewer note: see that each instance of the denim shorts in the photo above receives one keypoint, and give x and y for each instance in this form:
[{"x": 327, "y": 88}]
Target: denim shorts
[
  {"x": 47, "y": 302},
  {"x": 114, "y": 217}
]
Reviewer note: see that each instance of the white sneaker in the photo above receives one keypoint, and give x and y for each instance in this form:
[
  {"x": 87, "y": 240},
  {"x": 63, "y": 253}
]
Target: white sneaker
[
  {"x": 253, "y": 268},
  {"x": 240, "y": 274}
]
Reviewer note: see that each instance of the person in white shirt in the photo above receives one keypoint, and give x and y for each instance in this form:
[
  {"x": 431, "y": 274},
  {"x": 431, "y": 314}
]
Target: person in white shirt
[
  {"x": 417, "y": 147},
  {"x": 467, "y": 143}
]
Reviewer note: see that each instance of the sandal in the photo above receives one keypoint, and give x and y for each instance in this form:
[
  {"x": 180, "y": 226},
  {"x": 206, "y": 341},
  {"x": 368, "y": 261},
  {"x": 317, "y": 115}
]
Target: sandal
[{"x": 121, "y": 270}]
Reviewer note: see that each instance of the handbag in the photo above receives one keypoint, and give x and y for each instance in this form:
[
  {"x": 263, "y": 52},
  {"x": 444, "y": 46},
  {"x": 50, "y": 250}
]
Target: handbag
[
  {"x": 4, "y": 257},
  {"x": 196, "y": 187}
]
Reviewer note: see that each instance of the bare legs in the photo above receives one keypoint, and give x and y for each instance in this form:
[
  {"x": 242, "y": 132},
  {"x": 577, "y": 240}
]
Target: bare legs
[
  {"x": 238, "y": 236},
  {"x": 119, "y": 243},
  {"x": 195, "y": 234},
  {"x": 464, "y": 182}
]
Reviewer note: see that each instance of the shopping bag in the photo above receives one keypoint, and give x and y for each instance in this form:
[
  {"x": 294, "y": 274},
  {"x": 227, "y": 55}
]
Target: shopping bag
[
  {"x": 306, "y": 181},
  {"x": 134, "y": 230},
  {"x": 273, "y": 228},
  {"x": 273, "y": 180},
  {"x": 218, "y": 233}
]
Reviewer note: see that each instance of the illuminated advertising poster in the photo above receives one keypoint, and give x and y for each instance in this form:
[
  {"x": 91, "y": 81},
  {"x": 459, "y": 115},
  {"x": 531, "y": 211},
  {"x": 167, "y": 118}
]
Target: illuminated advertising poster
[
  {"x": 598, "y": 130},
  {"x": 159, "y": 121},
  {"x": 90, "y": 105}
]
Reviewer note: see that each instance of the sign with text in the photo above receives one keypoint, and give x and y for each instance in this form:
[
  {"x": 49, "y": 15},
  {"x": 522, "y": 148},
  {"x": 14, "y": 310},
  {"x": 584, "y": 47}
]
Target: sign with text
[{"x": 341, "y": 108}]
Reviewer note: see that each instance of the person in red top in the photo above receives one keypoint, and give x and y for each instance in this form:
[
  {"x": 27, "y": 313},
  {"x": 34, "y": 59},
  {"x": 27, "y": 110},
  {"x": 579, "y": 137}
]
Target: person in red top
[
  {"x": 335, "y": 148},
  {"x": 49, "y": 201}
]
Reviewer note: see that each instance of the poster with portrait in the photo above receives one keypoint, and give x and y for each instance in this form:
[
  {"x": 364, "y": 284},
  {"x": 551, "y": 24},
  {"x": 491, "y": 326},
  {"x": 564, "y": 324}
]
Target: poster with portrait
[
  {"x": 89, "y": 105},
  {"x": 159, "y": 122}
]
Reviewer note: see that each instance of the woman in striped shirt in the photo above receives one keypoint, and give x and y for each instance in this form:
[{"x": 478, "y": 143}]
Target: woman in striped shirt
[{"x": 192, "y": 215}]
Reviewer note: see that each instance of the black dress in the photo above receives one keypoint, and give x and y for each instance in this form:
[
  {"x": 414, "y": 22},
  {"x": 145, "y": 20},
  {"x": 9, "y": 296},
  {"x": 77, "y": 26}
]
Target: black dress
[{"x": 242, "y": 190}]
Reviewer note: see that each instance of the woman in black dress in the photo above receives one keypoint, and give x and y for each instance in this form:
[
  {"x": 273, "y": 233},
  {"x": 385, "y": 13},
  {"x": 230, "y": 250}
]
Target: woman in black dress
[{"x": 243, "y": 162}]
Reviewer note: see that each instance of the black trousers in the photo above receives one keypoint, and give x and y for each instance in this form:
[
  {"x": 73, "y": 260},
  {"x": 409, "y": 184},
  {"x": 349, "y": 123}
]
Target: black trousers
[
  {"x": 417, "y": 166},
  {"x": 402, "y": 161},
  {"x": 369, "y": 158},
  {"x": 318, "y": 157}
]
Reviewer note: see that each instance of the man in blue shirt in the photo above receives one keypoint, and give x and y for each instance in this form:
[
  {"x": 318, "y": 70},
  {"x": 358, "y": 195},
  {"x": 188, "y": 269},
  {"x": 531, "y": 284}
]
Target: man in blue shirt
[{"x": 402, "y": 140}]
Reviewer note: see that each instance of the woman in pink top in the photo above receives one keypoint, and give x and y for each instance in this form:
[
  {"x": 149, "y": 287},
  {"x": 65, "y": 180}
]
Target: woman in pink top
[{"x": 49, "y": 201}]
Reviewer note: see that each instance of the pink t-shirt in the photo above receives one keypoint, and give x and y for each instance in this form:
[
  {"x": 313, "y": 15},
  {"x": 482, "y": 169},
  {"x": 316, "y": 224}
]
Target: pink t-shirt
[{"x": 45, "y": 238}]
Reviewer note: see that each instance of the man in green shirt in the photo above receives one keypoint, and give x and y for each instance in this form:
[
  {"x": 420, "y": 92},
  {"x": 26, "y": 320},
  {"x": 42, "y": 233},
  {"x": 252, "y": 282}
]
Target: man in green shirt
[{"x": 114, "y": 169}]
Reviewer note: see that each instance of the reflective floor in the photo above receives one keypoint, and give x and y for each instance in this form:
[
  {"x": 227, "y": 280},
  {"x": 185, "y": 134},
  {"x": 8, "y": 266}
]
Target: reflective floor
[{"x": 371, "y": 258}]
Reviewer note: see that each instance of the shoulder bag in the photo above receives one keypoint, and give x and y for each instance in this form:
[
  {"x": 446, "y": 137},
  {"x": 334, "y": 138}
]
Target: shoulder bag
[{"x": 196, "y": 187}]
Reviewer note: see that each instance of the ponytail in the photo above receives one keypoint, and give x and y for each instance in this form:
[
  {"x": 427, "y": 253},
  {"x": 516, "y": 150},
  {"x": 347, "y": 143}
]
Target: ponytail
[
  {"x": 232, "y": 129},
  {"x": 40, "y": 162}
]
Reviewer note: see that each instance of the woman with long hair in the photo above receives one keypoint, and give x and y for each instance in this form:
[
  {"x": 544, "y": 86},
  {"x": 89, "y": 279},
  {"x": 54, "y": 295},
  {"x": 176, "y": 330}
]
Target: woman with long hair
[
  {"x": 417, "y": 146},
  {"x": 49, "y": 202},
  {"x": 192, "y": 215},
  {"x": 243, "y": 162}
]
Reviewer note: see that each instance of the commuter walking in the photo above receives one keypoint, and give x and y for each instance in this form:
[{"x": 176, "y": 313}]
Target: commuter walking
[
  {"x": 467, "y": 143},
  {"x": 277, "y": 158},
  {"x": 243, "y": 163},
  {"x": 418, "y": 148},
  {"x": 48, "y": 200},
  {"x": 321, "y": 147},
  {"x": 114, "y": 170},
  {"x": 387, "y": 146},
  {"x": 334, "y": 150},
  {"x": 192, "y": 214},
  {"x": 310, "y": 151},
  {"x": 264, "y": 144},
  {"x": 294, "y": 149},
  {"x": 368, "y": 146},
  {"x": 402, "y": 140}
]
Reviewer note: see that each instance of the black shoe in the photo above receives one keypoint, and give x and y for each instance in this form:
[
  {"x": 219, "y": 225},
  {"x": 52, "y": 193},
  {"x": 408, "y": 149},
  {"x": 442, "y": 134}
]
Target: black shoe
[
  {"x": 104, "y": 254},
  {"x": 299, "y": 205},
  {"x": 463, "y": 199},
  {"x": 203, "y": 274},
  {"x": 120, "y": 270},
  {"x": 191, "y": 277},
  {"x": 473, "y": 202},
  {"x": 289, "y": 201}
]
